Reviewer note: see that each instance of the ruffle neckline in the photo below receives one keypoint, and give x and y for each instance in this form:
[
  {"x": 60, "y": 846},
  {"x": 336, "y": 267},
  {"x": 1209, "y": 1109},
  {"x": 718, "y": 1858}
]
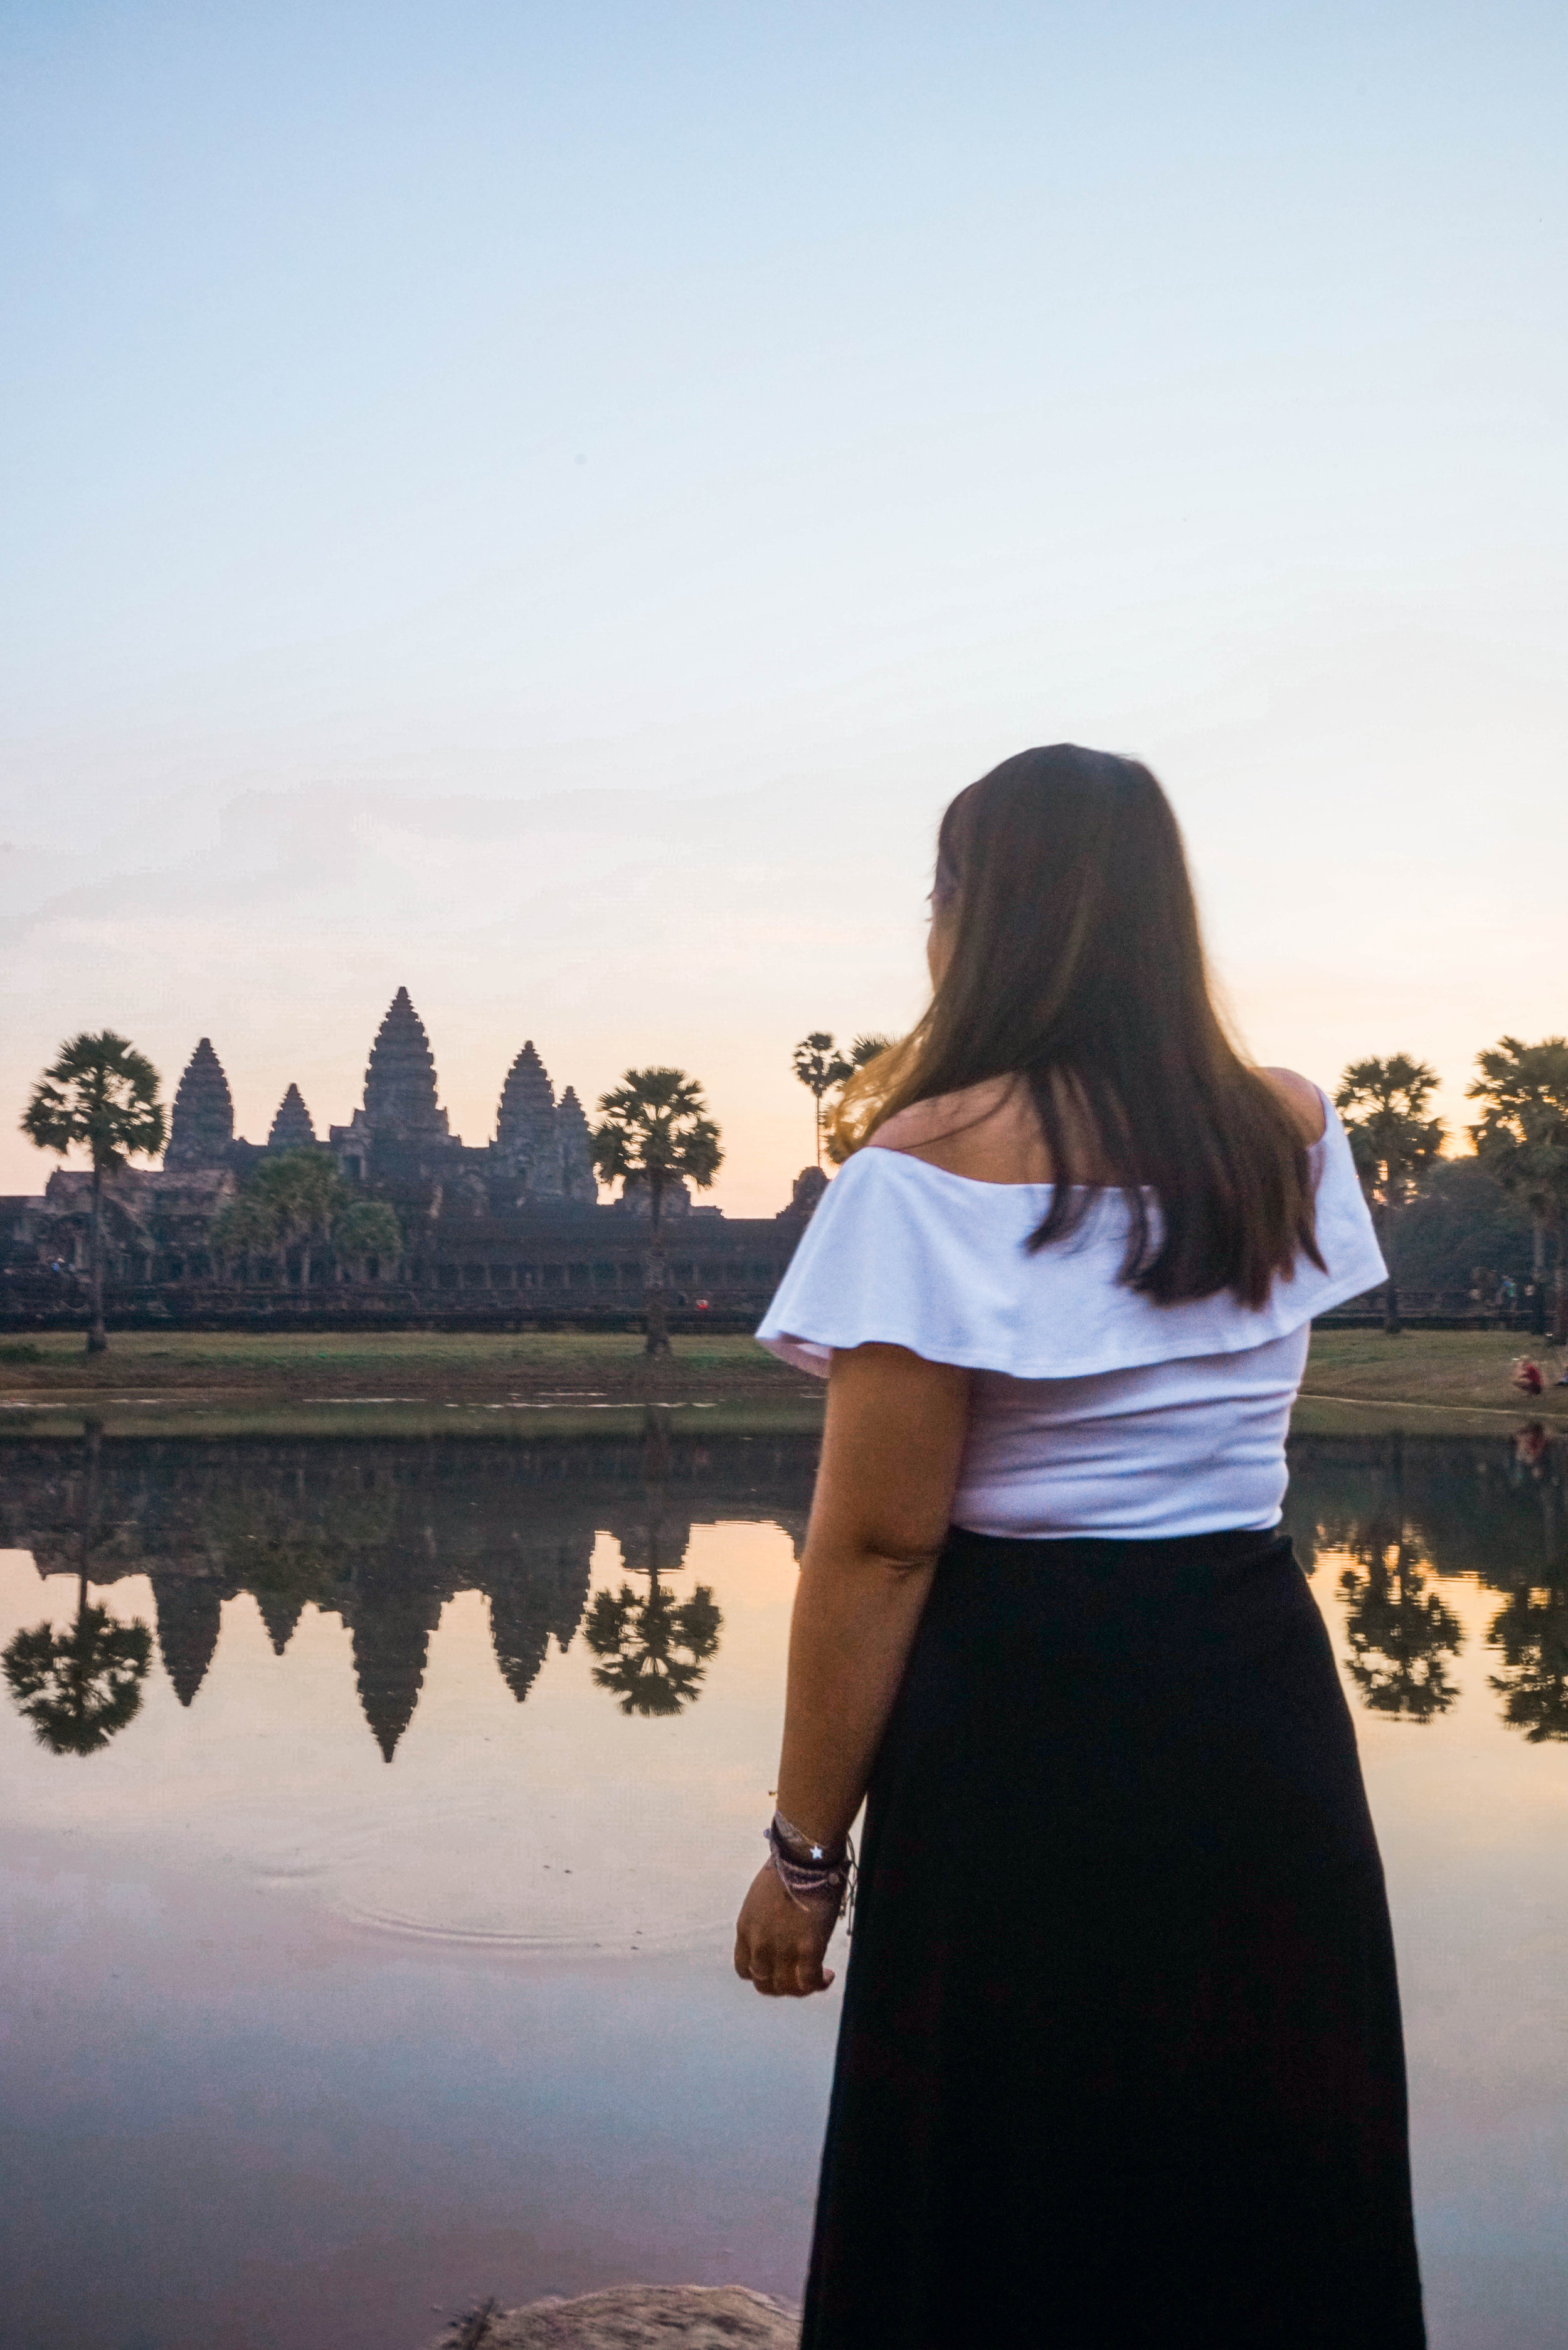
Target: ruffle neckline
[{"x": 903, "y": 1253}]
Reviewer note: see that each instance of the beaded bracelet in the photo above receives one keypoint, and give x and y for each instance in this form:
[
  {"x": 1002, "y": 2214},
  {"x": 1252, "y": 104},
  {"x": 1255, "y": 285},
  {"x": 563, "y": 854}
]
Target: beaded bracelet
[{"x": 816, "y": 1880}]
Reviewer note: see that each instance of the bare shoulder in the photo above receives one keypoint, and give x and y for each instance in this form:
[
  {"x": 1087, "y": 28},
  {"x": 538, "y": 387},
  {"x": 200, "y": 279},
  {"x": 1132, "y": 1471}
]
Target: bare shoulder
[
  {"x": 1300, "y": 1097},
  {"x": 988, "y": 1132},
  {"x": 938, "y": 1121}
]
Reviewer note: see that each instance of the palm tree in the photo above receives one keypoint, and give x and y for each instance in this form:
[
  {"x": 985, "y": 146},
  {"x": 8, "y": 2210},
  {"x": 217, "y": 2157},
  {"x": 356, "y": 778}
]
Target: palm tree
[
  {"x": 1521, "y": 1139},
  {"x": 101, "y": 1096},
  {"x": 869, "y": 1049},
  {"x": 79, "y": 1687},
  {"x": 820, "y": 1066},
  {"x": 654, "y": 1132},
  {"x": 305, "y": 1191},
  {"x": 368, "y": 1229},
  {"x": 1392, "y": 1140},
  {"x": 243, "y": 1228},
  {"x": 289, "y": 1202}
]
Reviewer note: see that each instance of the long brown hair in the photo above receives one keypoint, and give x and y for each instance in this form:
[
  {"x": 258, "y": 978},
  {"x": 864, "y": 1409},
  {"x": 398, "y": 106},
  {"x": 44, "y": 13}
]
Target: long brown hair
[{"x": 1077, "y": 966}]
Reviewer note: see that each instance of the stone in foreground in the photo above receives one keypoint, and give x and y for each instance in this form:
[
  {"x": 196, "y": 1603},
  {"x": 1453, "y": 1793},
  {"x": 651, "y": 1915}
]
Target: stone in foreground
[{"x": 649, "y": 2317}]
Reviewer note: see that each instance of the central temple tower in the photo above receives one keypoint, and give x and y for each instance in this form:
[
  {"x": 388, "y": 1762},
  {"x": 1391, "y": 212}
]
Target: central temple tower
[{"x": 400, "y": 1080}]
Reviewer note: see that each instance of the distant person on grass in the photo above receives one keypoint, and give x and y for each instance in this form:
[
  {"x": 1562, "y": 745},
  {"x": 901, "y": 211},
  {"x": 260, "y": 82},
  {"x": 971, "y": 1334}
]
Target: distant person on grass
[{"x": 1120, "y": 2062}]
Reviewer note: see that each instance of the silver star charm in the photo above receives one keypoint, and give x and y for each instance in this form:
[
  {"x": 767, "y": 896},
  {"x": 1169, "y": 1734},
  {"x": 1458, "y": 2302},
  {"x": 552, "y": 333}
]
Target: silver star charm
[{"x": 816, "y": 1852}]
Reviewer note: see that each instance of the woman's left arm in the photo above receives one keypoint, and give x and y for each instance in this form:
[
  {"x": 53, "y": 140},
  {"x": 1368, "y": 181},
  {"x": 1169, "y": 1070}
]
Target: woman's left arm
[{"x": 891, "y": 1449}]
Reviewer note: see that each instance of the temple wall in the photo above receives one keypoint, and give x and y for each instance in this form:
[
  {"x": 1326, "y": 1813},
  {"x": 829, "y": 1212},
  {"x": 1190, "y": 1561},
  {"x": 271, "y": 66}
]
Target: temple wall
[{"x": 577, "y": 1264}]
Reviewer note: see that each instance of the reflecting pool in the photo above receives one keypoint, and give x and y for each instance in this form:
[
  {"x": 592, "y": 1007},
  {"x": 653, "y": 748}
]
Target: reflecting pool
[{"x": 375, "y": 1815}]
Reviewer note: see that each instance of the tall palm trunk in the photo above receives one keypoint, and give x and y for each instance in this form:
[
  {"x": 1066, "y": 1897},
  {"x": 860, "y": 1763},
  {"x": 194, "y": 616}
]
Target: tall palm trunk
[
  {"x": 92, "y": 1469},
  {"x": 1538, "y": 1273},
  {"x": 655, "y": 1456},
  {"x": 658, "y": 1312},
  {"x": 98, "y": 1337},
  {"x": 1391, "y": 1324}
]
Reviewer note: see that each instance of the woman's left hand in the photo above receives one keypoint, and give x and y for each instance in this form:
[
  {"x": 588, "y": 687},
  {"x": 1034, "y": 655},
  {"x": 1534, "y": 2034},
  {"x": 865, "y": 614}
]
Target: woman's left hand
[{"x": 779, "y": 1946}]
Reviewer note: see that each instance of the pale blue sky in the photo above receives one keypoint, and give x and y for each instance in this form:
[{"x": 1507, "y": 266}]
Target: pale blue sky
[{"x": 545, "y": 504}]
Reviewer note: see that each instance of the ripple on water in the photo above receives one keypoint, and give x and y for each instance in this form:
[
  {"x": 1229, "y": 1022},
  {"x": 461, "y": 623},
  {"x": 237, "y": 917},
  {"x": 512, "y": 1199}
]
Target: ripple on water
[{"x": 467, "y": 1874}]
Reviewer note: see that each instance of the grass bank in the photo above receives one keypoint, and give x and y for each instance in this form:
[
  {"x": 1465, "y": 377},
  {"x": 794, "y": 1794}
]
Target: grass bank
[
  {"x": 535, "y": 1385},
  {"x": 394, "y": 1367},
  {"x": 1455, "y": 1381}
]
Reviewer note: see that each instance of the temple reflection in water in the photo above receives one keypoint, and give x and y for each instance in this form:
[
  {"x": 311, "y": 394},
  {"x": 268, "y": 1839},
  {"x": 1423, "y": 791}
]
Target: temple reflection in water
[{"x": 382, "y": 1534}]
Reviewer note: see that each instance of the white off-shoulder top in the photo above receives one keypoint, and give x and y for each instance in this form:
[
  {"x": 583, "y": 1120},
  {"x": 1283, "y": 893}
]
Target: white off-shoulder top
[{"x": 1094, "y": 1410}]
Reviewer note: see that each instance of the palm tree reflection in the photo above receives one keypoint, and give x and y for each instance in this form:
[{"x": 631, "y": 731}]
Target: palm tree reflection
[
  {"x": 79, "y": 1687},
  {"x": 1531, "y": 1632},
  {"x": 654, "y": 1648},
  {"x": 1401, "y": 1633}
]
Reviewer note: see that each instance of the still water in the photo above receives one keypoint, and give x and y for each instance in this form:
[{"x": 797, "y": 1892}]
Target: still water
[{"x": 367, "y": 1916}]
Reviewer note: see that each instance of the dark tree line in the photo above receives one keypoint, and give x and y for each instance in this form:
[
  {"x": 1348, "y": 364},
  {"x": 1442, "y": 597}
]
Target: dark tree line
[{"x": 1443, "y": 1220}]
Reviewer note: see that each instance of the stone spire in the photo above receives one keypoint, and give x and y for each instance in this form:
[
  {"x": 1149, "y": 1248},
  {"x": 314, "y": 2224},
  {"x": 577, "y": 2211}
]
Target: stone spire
[
  {"x": 391, "y": 1618},
  {"x": 189, "y": 1615},
  {"x": 526, "y": 1136},
  {"x": 577, "y": 1178},
  {"x": 520, "y": 1630},
  {"x": 202, "y": 1123},
  {"x": 526, "y": 1116},
  {"x": 400, "y": 1081},
  {"x": 543, "y": 1590},
  {"x": 280, "y": 1612},
  {"x": 291, "y": 1129}
]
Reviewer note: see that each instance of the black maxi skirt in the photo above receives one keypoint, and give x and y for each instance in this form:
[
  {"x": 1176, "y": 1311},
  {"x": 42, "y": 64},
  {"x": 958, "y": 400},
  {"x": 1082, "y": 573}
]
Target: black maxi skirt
[{"x": 1120, "y": 2061}]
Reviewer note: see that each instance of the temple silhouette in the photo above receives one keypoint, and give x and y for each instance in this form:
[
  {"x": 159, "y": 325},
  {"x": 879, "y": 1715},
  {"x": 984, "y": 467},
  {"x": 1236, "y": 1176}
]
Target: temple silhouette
[{"x": 510, "y": 1228}]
